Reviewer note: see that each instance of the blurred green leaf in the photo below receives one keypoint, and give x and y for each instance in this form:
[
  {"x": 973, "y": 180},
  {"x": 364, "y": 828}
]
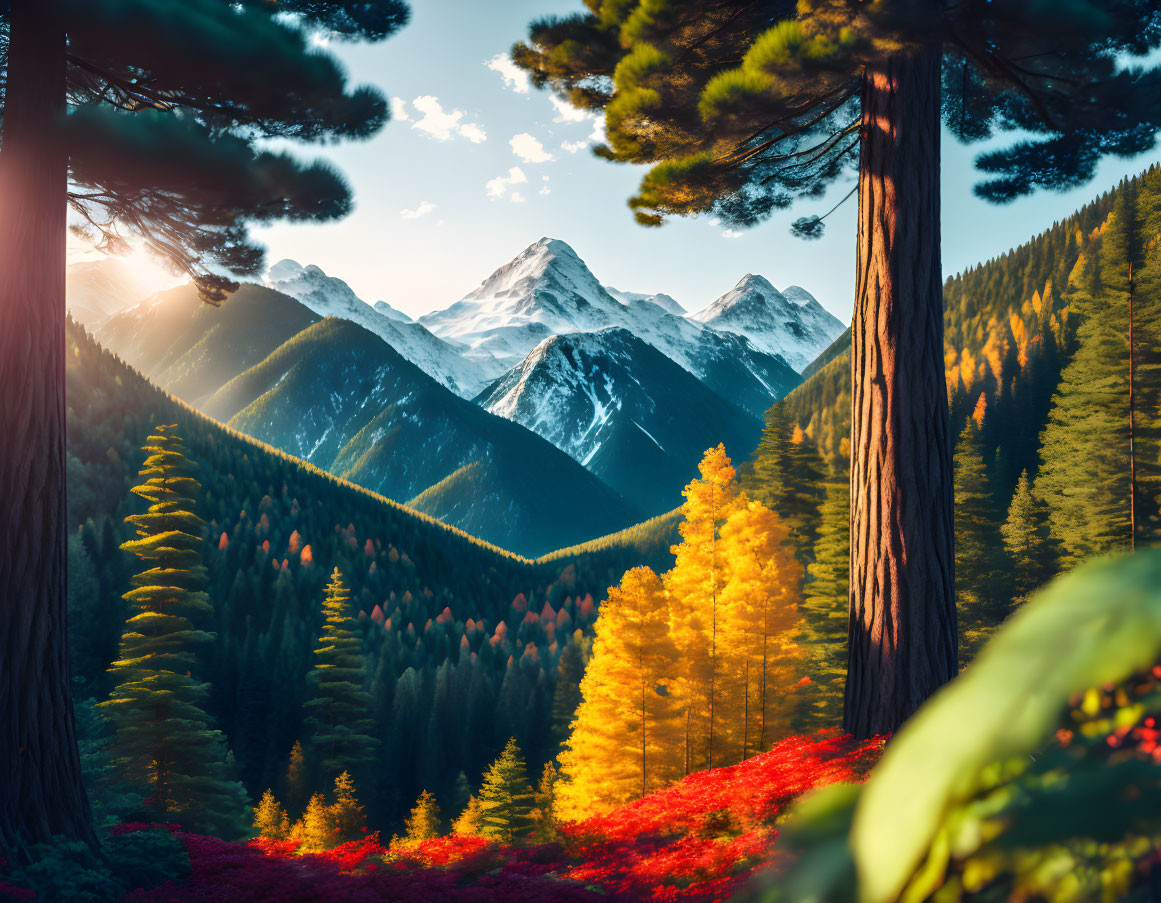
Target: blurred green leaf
[{"x": 1094, "y": 626}]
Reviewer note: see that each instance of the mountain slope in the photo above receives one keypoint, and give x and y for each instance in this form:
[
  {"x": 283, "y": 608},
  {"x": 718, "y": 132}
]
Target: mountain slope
[
  {"x": 191, "y": 348},
  {"x": 329, "y": 296},
  {"x": 790, "y": 324},
  {"x": 623, "y": 409},
  {"x": 343, "y": 399}
]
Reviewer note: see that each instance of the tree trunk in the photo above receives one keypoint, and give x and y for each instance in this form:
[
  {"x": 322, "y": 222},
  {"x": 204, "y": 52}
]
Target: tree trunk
[
  {"x": 41, "y": 793},
  {"x": 902, "y": 610}
]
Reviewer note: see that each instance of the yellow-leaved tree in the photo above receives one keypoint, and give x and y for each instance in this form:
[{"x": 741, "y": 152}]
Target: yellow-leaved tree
[
  {"x": 695, "y": 584},
  {"x": 628, "y": 723},
  {"x": 759, "y": 622}
]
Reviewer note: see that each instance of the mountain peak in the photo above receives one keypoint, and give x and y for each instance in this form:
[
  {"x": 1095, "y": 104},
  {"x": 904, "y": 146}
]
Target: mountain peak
[
  {"x": 283, "y": 270},
  {"x": 754, "y": 282}
]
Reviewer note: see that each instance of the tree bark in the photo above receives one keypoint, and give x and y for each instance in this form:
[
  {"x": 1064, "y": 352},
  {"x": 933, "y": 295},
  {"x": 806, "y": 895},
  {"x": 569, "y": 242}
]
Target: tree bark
[
  {"x": 902, "y": 636},
  {"x": 41, "y": 793}
]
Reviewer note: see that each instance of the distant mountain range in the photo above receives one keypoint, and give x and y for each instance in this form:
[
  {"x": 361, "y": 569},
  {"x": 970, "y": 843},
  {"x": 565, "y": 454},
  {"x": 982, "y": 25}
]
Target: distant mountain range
[{"x": 540, "y": 410}]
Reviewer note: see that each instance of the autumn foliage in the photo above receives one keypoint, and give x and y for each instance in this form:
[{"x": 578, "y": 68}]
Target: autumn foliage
[{"x": 699, "y": 839}]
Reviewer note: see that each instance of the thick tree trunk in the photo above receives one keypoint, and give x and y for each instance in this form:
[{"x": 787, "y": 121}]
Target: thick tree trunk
[
  {"x": 902, "y": 611},
  {"x": 41, "y": 793}
]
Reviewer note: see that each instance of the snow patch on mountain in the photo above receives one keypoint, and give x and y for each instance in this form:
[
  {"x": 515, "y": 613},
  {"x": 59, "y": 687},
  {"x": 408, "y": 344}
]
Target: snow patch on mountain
[
  {"x": 790, "y": 324},
  {"x": 662, "y": 300},
  {"x": 330, "y": 296}
]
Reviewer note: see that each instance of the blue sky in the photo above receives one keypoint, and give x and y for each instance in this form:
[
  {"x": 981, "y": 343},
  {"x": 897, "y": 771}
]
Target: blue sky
[{"x": 431, "y": 220}]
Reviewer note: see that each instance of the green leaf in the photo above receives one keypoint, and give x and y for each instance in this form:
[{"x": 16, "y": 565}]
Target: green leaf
[{"x": 1097, "y": 625}]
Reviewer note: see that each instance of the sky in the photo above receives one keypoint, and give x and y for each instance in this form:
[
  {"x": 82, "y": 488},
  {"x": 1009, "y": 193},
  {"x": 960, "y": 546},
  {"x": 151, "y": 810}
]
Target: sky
[{"x": 476, "y": 165}]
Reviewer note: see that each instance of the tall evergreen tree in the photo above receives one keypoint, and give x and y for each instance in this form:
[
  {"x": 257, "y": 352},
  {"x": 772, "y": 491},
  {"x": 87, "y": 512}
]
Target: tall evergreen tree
[
  {"x": 506, "y": 800},
  {"x": 978, "y": 547},
  {"x": 1026, "y": 540},
  {"x": 743, "y": 107},
  {"x": 824, "y": 607},
  {"x": 164, "y": 739},
  {"x": 423, "y": 822},
  {"x": 566, "y": 695},
  {"x": 168, "y": 104},
  {"x": 339, "y": 712}
]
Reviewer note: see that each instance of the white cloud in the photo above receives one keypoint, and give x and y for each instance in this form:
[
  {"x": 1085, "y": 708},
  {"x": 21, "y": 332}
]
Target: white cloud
[
  {"x": 572, "y": 147},
  {"x": 473, "y": 132},
  {"x": 445, "y": 125},
  {"x": 596, "y": 136},
  {"x": 517, "y": 197},
  {"x": 566, "y": 112},
  {"x": 514, "y": 77},
  {"x": 731, "y": 233},
  {"x": 499, "y": 186},
  {"x": 544, "y": 189},
  {"x": 399, "y": 109},
  {"x": 530, "y": 150},
  {"x": 424, "y": 208}
]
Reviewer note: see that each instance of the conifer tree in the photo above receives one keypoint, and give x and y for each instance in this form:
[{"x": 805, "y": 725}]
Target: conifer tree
[
  {"x": 314, "y": 829},
  {"x": 978, "y": 547},
  {"x": 346, "y": 815},
  {"x": 741, "y": 108},
  {"x": 163, "y": 738},
  {"x": 697, "y": 577},
  {"x": 296, "y": 780},
  {"x": 627, "y": 735},
  {"x": 162, "y": 142},
  {"x": 762, "y": 663},
  {"x": 566, "y": 695},
  {"x": 1085, "y": 475},
  {"x": 338, "y": 714},
  {"x": 423, "y": 822},
  {"x": 469, "y": 823},
  {"x": 1026, "y": 540},
  {"x": 506, "y": 799},
  {"x": 825, "y": 608},
  {"x": 270, "y": 819},
  {"x": 546, "y": 814},
  {"x": 787, "y": 477}
]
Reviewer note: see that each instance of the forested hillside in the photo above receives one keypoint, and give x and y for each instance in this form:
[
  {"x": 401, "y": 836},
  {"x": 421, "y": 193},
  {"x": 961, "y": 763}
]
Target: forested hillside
[
  {"x": 1058, "y": 455},
  {"x": 461, "y": 639}
]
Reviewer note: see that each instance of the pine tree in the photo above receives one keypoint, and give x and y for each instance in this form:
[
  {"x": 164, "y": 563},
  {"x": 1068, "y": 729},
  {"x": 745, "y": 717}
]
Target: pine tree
[
  {"x": 762, "y": 662},
  {"x": 627, "y": 734},
  {"x": 787, "y": 477},
  {"x": 469, "y": 823},
  {"x": 1026, "y": 540},
  {"x": 346, "y": 815},
  {"x": 740, "y": 108},
  {"x": 270, "y": 819},
  {"x": 506, "y": 800},
  {"x": 296, "y": 786},
  {"x": 978, "y": 547},
  {"x": 1085, "y": 474},
  {"x": 696, "y": 579},
  {"x": 165, "y": 124},
  {"x": 314, "y": 829},
  {"x": 163, "y": 738},
  {"x": 545, "y": 815},
  {"x": 338, "y": 714},
  {"x": 423, "y": 822},
  {"x": 566, "y": 695},
  {"x": 825, "y": 609}
]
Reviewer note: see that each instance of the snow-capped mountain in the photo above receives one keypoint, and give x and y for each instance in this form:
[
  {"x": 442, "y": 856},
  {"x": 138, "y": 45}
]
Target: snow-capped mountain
[
  {"x": 623, "y": 409},
  {"x": 329, "y": 296},
  {"x": 790, "y": 324},
  {"x": 662, "y": 300},
  {"x": 547, "y": 290}
]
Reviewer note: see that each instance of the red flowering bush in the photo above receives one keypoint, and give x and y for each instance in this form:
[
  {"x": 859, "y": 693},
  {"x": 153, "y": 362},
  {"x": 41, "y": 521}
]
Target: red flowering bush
[{"x": 698, "y": 840}]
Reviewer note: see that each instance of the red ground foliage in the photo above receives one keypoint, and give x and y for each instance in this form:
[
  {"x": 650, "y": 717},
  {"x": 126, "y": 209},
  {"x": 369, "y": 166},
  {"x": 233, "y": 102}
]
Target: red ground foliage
[{"x": 698, "y": 840}]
